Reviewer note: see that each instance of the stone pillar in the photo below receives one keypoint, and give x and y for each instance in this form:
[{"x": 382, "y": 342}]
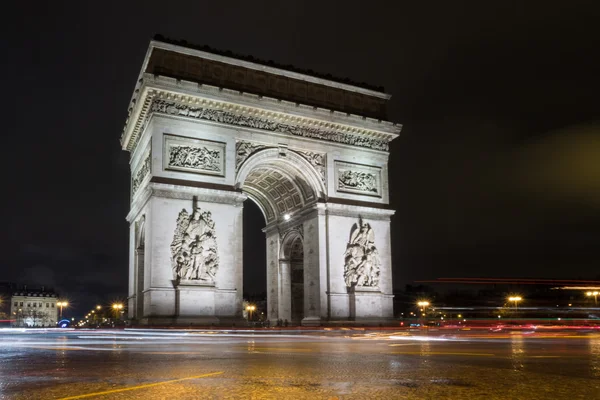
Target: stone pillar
[
  {"x": 367, "y": 304},
  {"x": 312, "y": 274},
  {"x": 132, "y": 292},
  {"x": 272, "y": 277},
  {"x": 161, "y": 296},
  {"x": 139, "y": 281},
  {"x": 285, "y": 290}
]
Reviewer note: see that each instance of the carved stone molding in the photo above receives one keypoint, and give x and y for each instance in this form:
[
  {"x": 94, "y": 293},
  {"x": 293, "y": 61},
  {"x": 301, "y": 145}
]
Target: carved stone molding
[
  {"x": 194, "y": 253},
  {"x": 358, "y": 179},
  {"x": 171, "y": 107},
  {"x": 361, "y": 259},
  {"x": 244, "y": 149},
  {"x": 207, "y": 195},
  {"x": 317, "y": 160},
  {"x": 299, "y": 228},
  {"x": 142, "y": 172},
  {"x": 194, "y": 155}
]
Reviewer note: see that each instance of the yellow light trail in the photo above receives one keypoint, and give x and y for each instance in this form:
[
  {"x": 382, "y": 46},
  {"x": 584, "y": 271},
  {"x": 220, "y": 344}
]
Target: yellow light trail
[{"x": 82, "y": 396}]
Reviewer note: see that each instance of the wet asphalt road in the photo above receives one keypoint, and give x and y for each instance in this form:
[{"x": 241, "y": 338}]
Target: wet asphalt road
[{"x": 315, "y": 365}]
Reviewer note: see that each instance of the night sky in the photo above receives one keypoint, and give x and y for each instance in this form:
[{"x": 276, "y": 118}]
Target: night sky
[{"x": 496, "y": 172}]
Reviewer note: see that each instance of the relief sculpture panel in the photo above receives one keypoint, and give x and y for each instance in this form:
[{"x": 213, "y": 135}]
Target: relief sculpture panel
[
  {"x": 317, "y": 160},
  {"x": 194, "y": 250},
  {"x": 361, "y": 258},
  {"x": 358, "y": 179},
  {"x": 244, "y": 149},
  {"x": 193, "y": 155}
]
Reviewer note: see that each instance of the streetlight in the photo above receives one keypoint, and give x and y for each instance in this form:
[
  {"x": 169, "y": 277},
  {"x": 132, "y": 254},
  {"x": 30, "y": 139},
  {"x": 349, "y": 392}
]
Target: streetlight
[
  {"x": 98, "y": 307},
  {"x": 61, "y": 304},
  {"x": 595, "y": 293},
  {"x": 515, "y": 299},
  {"x": 117, "y": 307},
  {"x": 250, "y": 309},
  {"x": 423, "y": 304}
]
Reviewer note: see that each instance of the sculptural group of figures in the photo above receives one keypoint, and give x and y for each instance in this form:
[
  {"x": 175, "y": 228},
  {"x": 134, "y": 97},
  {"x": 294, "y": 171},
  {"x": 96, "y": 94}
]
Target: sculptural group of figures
[
  {"x": 194, "y": 247},
  {"x": 356, "y": 180},
  {"x": 194, "y": 157},
  {"x": 361, "y": 258}
]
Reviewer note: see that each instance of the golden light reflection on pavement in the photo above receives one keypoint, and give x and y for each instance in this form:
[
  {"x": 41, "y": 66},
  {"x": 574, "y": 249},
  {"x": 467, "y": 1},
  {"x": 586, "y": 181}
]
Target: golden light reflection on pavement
[{"x": 82, "y": 396}]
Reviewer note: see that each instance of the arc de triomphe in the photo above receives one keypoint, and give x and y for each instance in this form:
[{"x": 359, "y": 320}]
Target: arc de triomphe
[{"x": 206, "y": 132}]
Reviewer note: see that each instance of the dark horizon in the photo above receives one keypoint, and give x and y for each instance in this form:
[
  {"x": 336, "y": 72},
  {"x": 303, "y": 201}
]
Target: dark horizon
[{"x": 495, "y": 173}]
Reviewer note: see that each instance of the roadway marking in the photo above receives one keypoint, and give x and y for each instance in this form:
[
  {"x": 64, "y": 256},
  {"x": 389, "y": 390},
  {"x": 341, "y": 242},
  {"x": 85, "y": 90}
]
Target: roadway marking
[
  {"x": 81, "y": 396},
  {"x": 442, "y": 353}
]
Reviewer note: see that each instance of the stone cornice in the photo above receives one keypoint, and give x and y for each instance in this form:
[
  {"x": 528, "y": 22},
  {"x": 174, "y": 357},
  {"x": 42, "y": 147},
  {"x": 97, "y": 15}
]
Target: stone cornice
[
  {"x": 344, "y": 210},
  {"x": 158, "y": 44},
  {"x": 251, "y": 111},
  {"x": 202, "y": 194}
]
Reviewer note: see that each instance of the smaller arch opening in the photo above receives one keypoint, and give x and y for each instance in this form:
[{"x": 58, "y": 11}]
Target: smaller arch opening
[{"x": 293, "y": 256}]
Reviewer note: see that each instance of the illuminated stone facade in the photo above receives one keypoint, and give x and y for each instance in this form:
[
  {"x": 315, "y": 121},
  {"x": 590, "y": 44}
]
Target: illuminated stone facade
[
  {"x": 206, "y": 132},
  {"x": 34, "y": 309}
]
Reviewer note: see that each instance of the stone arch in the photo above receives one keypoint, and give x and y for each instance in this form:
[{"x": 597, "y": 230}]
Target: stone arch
[
  {"x": 279, "y": 181},
  {"x": 291, "y": 270},
  {"x": 288, "y": 241}
]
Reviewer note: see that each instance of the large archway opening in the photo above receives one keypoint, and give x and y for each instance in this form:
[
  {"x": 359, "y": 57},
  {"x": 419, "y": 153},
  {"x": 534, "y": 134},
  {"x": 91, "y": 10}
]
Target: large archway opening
[
  {"x": 282, "y": 184},
  {"x": 255, "y": 272}
]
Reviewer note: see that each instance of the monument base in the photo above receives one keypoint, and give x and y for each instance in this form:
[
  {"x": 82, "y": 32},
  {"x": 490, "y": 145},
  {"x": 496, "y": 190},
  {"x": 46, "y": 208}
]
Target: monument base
[
  {"x": 195, "y": 302},
  {"x": 311, "y": 321},
  {"x": 365, "y": 303}
]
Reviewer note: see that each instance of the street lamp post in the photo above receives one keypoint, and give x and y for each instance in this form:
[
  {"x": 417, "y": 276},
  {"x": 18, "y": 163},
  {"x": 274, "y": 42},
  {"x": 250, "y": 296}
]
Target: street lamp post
[
  {"x": 117, "y": 307},
  {"x": 250, "y": 309},
  {"x": 423, "y": 304},
  {"x": 595, "y": 293},
  {"x": 516, "y": 300},
  {"x": 61, "y": 304}
]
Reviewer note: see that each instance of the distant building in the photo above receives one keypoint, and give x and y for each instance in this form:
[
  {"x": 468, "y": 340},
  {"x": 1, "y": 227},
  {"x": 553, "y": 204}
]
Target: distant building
[{"x": 34, "y": 308}]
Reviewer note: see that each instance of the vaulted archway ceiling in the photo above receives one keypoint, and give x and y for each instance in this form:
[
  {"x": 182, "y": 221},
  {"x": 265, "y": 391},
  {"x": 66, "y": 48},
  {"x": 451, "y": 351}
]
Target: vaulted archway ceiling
[{"x": 277, "y": 190}]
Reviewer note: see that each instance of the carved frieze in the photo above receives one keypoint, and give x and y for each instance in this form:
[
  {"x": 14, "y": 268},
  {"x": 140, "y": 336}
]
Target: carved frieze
[
  {"x": 194, "y": 251},
  {"x": 244, "y": 149},
  {"x": 185, "y": 110},
  {"x": 142, "y": 172},
  {"x": 361, "y": 259},
  {"x": 358, "y": 179},
  {"x": 194, "y": 155},
  {"x": 317, "y": 160}
]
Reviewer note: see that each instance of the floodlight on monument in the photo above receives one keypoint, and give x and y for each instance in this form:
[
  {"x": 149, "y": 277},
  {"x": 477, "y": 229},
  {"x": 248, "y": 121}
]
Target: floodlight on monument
[{"x": 286, "y": 217}]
